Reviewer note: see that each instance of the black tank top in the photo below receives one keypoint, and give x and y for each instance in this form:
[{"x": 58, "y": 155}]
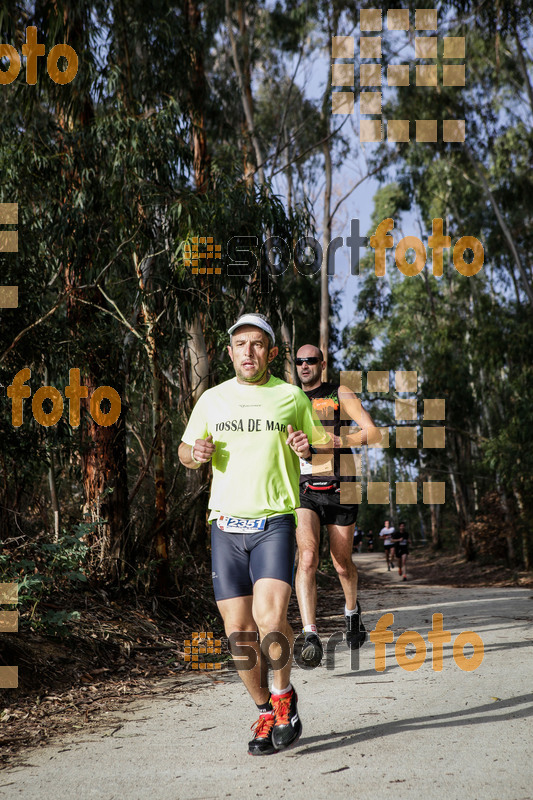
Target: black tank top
[{"x": 323, "y": 398}]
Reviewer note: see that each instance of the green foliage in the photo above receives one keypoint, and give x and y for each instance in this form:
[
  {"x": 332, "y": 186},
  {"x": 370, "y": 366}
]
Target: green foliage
[
  {"x": 104, "y": 172},
  {"x": 44, "y": 572},
  {"x": 469, "y": 339}
]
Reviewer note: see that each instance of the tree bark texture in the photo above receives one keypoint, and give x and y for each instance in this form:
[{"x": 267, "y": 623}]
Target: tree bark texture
[
  {"x": 103, "y": 458},
  {"x": 103, "y": 462},
  {"x": 143, "y": 270},
  {"x": 326, "y": 238},
  {"x": 197, "y": 85}
]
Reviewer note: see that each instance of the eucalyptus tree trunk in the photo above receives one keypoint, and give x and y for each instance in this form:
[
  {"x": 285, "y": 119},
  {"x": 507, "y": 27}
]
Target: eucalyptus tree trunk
[
  {"x": 421, "y": 523},
  {"x": 524, "y": 69},
  {"x": 54, "y": 502},
  {"x": 326, "y": 239},
  {"x": 199, "y": 364},
  {"x": 243, "y": 72},
  {"x": 525, "y": 526},
  {"x": 201, "y": 159},
  {"x": 289, "y": 369},
  {"x": 143, "y": 271},
  {"x": 244, "y": 80},
  {"x": 248, "y": 164},
  {"x": 103, "y": 452},
  {"x": 332, "y": 24},
  {"x": 104, "y": 473},
  {"x": 507, "y": 234},
  {"x": 392, "y": 482},
  {"x": 434, "y": 511},
  {"x": 199, "y": 361},
  {"x": 195, "y": 366}
]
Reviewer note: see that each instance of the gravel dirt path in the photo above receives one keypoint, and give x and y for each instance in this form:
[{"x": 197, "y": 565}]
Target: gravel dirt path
[{"x": 366, "y": 734}]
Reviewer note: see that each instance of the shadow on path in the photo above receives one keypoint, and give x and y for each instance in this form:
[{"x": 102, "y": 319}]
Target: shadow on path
[{"x": 472, "y": 716}]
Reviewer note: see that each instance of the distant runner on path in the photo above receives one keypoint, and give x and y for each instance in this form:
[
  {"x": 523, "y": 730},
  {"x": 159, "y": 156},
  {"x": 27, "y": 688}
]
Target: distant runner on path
[
  {"x": 253, "y": 428},
  {"x": 401, "y": 542},
  {"x": 320, "y": 502},
  {"x": 357, "y": 539},
  {"x": 386, "y": 535}
]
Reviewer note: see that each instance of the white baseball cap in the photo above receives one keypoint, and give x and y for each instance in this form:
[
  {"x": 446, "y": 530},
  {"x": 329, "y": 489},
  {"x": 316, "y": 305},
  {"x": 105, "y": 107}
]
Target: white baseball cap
[{"x": 254, "y": 319}]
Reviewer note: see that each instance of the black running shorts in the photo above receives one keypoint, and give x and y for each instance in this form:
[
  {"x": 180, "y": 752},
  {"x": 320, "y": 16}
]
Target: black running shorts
[
  {"x": 329, "y": 508},
  {"x": 238, "y": 560}
]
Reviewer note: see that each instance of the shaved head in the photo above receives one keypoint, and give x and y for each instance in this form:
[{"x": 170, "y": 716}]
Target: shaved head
[
  {"x": 310, "y": 350},
  {"x": 310, "y": 375}
]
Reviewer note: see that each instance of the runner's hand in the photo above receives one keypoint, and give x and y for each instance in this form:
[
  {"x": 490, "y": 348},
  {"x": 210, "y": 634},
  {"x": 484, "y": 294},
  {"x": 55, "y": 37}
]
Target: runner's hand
[
  {"x": 298, "y": 442},
  {"x": 203, "y": 449}
]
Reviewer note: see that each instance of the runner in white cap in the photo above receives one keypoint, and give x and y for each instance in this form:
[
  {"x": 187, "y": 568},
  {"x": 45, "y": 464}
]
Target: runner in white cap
[
  {"x": 258, "y": 321},
  {"x": 253, "y": 428}
]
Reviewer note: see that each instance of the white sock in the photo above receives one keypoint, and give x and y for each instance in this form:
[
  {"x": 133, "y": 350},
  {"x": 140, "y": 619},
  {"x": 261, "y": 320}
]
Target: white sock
[
  {"x": 273, "y": 690},
  {"x": 309, "y": 629},
  {"x": 348, "y": 613}
]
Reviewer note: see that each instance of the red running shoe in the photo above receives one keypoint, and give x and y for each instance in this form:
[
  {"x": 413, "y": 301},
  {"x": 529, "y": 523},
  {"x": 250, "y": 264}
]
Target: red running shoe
[
  {"x": 287, "y": 727},
  {"x": 261, "y": 744}
]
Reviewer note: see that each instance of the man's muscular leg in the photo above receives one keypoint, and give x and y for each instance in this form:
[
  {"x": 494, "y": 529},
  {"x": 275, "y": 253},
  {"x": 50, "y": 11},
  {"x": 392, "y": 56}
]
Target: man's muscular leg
[
  {"x": 340, "y": 540},
  {"x": 340, "y": 543},
  {"x": 271, "y": 601},
  {"x": 270, "y": 604},
  {"x": 308, "y": 540},
  {"x": 237, "y": 615}
]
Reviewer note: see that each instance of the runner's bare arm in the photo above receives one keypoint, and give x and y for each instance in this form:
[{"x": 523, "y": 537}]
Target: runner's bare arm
[
  {"x": 352, "y": 407},
  {"x": 193, "y": 456}
]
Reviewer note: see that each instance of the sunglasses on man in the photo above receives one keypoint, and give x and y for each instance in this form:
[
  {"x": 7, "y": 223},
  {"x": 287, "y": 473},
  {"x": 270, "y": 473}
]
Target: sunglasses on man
[{"x": 307, "y": 359}]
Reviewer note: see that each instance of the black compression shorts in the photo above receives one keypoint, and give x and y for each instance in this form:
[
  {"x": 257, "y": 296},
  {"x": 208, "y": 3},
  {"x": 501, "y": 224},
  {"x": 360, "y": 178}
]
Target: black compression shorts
[
  {"x": 328, "y": 506},
  {"x": 238, "y": 560}
]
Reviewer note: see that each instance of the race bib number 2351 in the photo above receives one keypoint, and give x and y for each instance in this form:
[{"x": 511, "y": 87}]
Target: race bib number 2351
[{"x": 239, "y": 525}]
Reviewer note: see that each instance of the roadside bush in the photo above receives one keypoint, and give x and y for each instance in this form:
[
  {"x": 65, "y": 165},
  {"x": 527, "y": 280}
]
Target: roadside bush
[{"x": 44, "y": 570}]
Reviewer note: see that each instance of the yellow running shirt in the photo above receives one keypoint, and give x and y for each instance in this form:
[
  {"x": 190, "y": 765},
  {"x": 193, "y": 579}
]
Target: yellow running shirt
[{"x": 255, "y": 474}]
